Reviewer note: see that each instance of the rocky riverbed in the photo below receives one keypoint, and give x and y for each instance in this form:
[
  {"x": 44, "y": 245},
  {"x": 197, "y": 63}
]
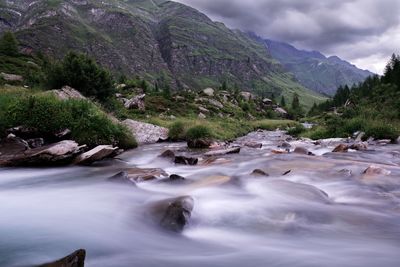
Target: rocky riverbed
[{"x": 265, "y": 199}]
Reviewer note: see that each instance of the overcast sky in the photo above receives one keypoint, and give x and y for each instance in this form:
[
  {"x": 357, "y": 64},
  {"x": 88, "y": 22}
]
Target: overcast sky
[{"x": 364, "y": 32}]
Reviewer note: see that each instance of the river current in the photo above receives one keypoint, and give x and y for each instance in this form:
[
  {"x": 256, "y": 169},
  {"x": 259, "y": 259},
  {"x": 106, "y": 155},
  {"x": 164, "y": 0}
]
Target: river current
[{"x": 324, "y": 212}]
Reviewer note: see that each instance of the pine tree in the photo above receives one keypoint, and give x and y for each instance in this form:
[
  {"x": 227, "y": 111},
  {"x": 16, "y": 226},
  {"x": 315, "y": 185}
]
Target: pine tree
[
  {"x": 8, "y": 44},
  {"x": 283, "y": 102},
  {"x": 295, "y": 102}
]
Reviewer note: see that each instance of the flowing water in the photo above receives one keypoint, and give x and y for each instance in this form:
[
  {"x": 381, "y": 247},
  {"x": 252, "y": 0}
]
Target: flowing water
[{"x": 323, "y": 213}]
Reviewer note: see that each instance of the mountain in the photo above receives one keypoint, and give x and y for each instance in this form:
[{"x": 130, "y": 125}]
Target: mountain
[
  {"x": 314, "y": 70},
  {"x": 155, "y": 39}
]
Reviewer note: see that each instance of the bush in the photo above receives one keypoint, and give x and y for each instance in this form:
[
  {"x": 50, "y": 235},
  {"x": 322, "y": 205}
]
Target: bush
[
  {"x": 198, "y": 132},
  {"x": 8, "y": 44},
  {"x": 380, "y": 130},
  {"x": 89, "y": 125},
  {"x": 177, "y": 131},
  {"x": 296, "y": 130},
  {"x": 82, "y": 73}
]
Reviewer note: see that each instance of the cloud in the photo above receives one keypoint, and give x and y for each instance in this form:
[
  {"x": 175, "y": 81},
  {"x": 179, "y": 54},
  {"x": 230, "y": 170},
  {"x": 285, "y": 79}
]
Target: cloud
[{"x": 365, "y": 32}]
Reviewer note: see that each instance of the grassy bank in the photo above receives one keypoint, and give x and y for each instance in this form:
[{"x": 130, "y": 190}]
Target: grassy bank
[{"x": 43, "y": 111}]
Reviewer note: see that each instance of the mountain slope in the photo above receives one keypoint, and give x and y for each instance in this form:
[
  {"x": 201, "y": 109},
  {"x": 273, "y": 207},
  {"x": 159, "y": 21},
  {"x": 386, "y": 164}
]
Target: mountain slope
[
  {"x": 159, "y": 40},
  {"x": 314, "y": 70}
]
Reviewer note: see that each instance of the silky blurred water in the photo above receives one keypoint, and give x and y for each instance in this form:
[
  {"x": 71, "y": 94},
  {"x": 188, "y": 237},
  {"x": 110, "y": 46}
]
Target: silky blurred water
[{"x": 314, "y": 216}]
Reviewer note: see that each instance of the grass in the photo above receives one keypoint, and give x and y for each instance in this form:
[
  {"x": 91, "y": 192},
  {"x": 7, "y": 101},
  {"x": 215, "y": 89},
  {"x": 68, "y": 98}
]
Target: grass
[
  {"x": 88, "y": 123},
  {"x": 222, "y": 129}
]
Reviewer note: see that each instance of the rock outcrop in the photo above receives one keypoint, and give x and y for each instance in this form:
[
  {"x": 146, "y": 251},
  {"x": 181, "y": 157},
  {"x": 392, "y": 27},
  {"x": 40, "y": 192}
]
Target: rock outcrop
[
  {"x": 66, "y": 93},
  {"x": 146, "y": 133},
  {"x": 136, "y": 102}
]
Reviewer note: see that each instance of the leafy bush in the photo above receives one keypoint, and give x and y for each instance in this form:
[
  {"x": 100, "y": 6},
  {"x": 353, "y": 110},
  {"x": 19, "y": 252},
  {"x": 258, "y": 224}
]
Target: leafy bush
[
  {"x": 8, "y": 44},
  {"x": 82, "y": 73},
  {"x": 177, "y": 131},
  {"x": 198, "y": 131},
  {"x": 296, "y": 130},
  {"x": 89, "y": 125}
]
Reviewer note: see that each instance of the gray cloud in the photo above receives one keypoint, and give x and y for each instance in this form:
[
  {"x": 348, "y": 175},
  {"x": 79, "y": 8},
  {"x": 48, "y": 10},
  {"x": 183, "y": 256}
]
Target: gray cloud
[{"x": 365, "y": 32}]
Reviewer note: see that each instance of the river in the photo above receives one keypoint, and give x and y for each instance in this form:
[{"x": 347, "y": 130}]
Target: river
[{"x": 325, "y": 212}]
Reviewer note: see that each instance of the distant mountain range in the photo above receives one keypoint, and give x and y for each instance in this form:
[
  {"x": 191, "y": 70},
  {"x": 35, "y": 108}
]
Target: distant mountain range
[
  {"x": 170, "y": 41},
  {"x": 314, "y": 70}
]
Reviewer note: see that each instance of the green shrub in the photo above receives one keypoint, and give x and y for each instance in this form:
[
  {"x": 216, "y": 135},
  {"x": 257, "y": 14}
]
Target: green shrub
[
  {"x": 296, "y": 130},
  {"x": 318, "y": 133},
  {"x": 89, "y": 124},
  {"x": 380, "y": 130},
  {"x": 177, "y": 131},
  {"x": 198, "y": 131},
  {"x": 82, "y": 73}
]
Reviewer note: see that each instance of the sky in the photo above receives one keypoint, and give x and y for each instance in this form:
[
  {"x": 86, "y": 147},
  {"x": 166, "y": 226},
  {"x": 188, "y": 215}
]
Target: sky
[{"x": 364, "y": 32}]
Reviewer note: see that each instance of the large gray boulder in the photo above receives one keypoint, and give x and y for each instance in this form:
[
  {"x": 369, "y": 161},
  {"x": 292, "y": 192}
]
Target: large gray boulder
[
  {"x": 66, "y": 93},
  {"x": 136, "y": 102},
  {"x": 96, "y": 154},
  {"x": 11, "y": 77},
  {"x": 146, "y": 133},
  {"x": 208, "y": 91},
  {"x": 173, "y": 214}
]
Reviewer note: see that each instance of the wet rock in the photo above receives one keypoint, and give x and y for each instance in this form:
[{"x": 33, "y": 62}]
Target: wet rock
[
  {"x": 136, "y": 102},
  {"x": 286, "y": 172},
  {"x": 285, "y": 145},
  {"x": 35, "y": 142},
  {"x": 359, "y": 136},
  {"x": 167, "y": 154},
  {"x": 234, "y": 150},
  {"x": 199, "y": 143},
  {"x": 259, "y": 172},
  {"x": 361, "y": 146},
  {"x": 96, "y": 154},
  {"x": 253, "y": 144},
  {"x": 214, "y": 180},
  {"x": 55, "y": 154},
  {"x": 208, "y": 91},
  {"x": 146, "y": 133},
  {"x": 303, "y": 151},
  {"x": 279, "y": 151},
  {"x": 175, "y": 178},
  {"x": 341, "y": 148},
  {"x": 346, "y": 172},
  {"x": 173, "y": 214},
  {"x": 376, "y": 170},
  {"x": 13, "y": 145},
  {"x": 11, "y": 77},
  {"x": 384, "y": 142},
  {"x": 142, "y": 175},
  {"x": 122, "y": 177},
  {"x": 76, "y": 259},
  {"x": 186, "y": 160},
  {"x": 66, "y": 93}
]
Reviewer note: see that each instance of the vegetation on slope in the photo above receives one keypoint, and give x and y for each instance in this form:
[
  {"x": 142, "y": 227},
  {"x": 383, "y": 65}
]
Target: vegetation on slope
[{"x": 372, "y": 107}]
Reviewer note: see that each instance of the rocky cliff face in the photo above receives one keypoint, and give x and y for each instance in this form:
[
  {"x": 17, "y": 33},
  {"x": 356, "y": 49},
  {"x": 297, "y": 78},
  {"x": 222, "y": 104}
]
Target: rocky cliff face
[{"x": 154, "y": 39}]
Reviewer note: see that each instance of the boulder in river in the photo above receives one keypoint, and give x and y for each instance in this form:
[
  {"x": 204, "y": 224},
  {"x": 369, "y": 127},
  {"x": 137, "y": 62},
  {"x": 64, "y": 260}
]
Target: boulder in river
[
  {"x": 259, "y": 172},
  {"x": 376, "y": 170},
  {"x": 76, "y": 259},
  {"x": 55, "y": 154},
  {"x": 173, "y": 214},
  {"x": 146, "y": 133},
  {"x": 221, "y": 152},
  {"x": 186, "y": 160},
  {"x": 341, "y": 148},
  {"x": 303, "y": 151},
  {"x": 13, "y": 145},
  {"x": 167, "y": 154},
  {"x": 200, "y": 143},
  {"x": 253, "y": 144},
  {"x": 360, "y": 146},
  {"x": 137, "y": 175},
  {"x": 96, "y": 154}
]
